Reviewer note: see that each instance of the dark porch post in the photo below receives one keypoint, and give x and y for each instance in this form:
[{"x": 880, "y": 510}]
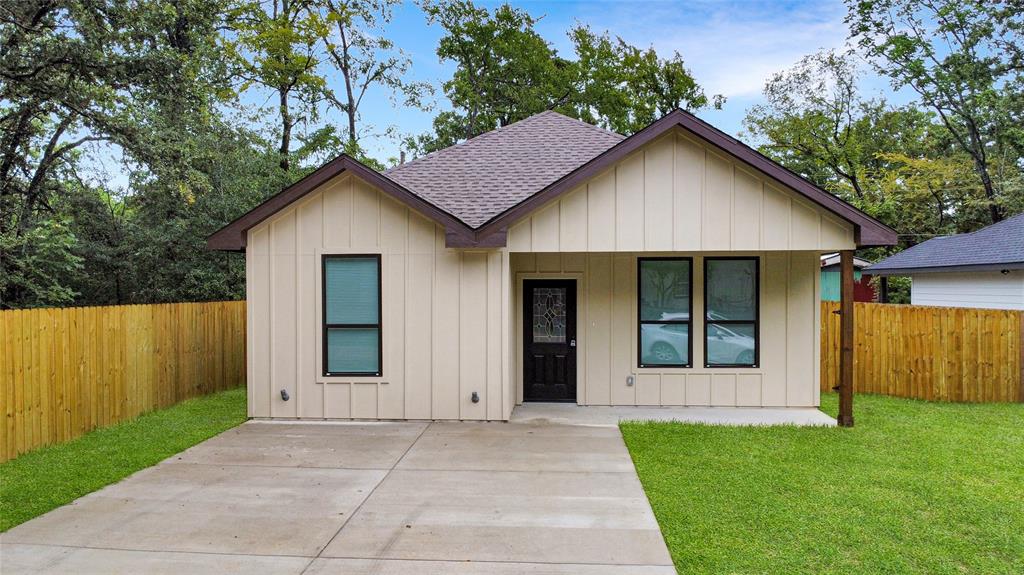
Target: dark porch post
[{"x": 845, "y": 418}]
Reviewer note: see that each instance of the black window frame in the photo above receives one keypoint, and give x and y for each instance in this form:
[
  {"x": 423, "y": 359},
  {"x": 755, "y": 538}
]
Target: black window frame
[
  {"x": 640, "y": 321},
  {"x": 327, "y": 326},
  {"x": 757, "y": 312}
]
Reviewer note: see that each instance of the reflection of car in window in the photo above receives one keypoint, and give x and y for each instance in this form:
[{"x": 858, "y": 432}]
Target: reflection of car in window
[
  {"x": 664, "y": 344},
  {"x": 726, "y": 347},
  {"x": 668, "y": 344}
]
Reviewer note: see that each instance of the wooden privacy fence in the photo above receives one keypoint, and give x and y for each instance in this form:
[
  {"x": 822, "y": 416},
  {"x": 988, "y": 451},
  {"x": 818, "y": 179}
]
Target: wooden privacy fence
[
  {"x": 935, "y": 353},
  {"x": 66, "y": 371}
]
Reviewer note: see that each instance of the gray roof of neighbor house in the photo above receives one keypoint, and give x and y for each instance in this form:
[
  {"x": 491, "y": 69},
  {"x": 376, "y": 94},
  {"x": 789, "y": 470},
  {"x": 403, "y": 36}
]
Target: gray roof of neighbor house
[
  {"x": 478, "y": 188},
  {"x": 486, "y": 175},
  {"x": 996, "y": 247}
]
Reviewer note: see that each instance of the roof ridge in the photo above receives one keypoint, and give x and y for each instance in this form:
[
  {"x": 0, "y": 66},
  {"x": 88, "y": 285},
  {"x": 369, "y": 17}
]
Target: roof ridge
[
  {"x": 587, "y": 124},
  {"x": 479, "y": 137}
]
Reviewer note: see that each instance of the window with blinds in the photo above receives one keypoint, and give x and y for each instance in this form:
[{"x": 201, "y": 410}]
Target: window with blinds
[{"x": 352, "y": 315}]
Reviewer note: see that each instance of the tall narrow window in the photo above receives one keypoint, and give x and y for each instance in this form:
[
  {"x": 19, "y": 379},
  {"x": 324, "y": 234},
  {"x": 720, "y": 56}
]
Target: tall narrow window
[
  {"x": 351, "y": 315},
  {"x": 731, "y": 312},
  {"x": 663, "y": 288}
]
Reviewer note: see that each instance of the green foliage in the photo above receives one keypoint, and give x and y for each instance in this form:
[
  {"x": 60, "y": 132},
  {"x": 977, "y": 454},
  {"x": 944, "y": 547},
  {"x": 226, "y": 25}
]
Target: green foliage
[
  {"x": 47, "y": 478},
  {"x": 506, "y": 71},
  {"x": 352, "y": 34},
  {"x": 899, "y": 164},
  {"x": 963, "y": 59},
  {"x": 624, "y": 88},
  {"x": 915, "y": 487},
  {"x": 274, "y": 46}
]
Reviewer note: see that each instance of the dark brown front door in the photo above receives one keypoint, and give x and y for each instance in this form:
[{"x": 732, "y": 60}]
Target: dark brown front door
[{"x": 549, "y": 340}]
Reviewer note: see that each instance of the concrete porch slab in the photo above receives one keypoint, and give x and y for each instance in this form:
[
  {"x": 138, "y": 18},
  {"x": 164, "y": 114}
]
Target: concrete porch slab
[{"x": 604, "y": 416}]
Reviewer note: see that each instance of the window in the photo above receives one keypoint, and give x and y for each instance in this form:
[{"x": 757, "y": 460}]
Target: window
[
  {"x": 351, "y": 315},
  {"x": 663, "y": 289},
  {"x": 731, "y": 312}
]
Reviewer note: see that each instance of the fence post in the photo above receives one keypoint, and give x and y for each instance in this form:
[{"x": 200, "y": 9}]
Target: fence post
[{"x": 1020, "y": 349}]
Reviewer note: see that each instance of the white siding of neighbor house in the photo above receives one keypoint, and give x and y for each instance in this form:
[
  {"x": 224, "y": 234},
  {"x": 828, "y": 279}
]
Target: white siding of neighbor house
[
  {"x": 452, "y": 318},
  {"x": 677, "y": 194},
  {"x": 993, "y": 290},
  {"x": 607, "y": 333}
]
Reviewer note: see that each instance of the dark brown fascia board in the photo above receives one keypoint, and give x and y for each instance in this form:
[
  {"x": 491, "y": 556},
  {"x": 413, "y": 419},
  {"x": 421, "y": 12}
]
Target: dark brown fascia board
[
  {"x": 868, "y": 231},
  {"x": 232, "y": 237},
  {"x": 497, "y": 239}
]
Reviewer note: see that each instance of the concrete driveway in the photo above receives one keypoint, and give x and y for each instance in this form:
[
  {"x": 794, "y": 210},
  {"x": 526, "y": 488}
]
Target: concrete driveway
[{"x": 362, "y": 498}]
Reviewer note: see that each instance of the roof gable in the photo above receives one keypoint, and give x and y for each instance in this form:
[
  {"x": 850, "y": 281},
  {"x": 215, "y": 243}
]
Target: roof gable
[
  {"x": 232, "y": 237},
  {"x": 477, "y": 189},
  {"x": 484, "y": 176},
  {"x": 868, "y": 231},
  {"x": 679, "y": 193}
]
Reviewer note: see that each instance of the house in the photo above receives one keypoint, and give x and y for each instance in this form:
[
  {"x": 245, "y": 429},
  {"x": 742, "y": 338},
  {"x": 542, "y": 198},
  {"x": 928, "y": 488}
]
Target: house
[
  {"x": 548, "y": 260},
  {"x": 862, "y": 288},
  {"x": 982, "y": 269}
]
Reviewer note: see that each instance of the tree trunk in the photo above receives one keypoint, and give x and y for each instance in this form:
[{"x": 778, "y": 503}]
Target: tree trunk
[
  {"x": 286, "y": 127},
  {"x": 994, "y": 211}
]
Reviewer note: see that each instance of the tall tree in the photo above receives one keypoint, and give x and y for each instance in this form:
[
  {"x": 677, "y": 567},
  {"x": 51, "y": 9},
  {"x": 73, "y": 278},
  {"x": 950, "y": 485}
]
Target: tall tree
[
  {"x": 624, "y": 88},
  {"x": 506, "y": 71},
  {"x": 815, "y": 121},
  {"x": 963, "y": 59},
  {"x": 274, "y": 45},
  {"x": 353, "y": 38},
  {"x": 76, "y": 72}
]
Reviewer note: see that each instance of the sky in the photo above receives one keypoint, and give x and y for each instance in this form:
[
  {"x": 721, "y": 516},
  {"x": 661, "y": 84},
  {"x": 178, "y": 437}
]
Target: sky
[{"x": 731, "y": 47}]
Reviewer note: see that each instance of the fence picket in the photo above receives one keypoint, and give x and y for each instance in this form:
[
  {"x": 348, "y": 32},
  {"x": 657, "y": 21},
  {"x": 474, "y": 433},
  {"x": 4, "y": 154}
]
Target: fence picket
[
  {"x": 68, "y": 371},
  {"x": 934, "y": 353}
]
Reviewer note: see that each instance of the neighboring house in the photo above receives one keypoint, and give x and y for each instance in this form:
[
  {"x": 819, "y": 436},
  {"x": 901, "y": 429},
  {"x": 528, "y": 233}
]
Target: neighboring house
[
  {"x": 982, "y": 269},
  {"x": 862, "y": 288},
  {"x": 546, "y": 260}
]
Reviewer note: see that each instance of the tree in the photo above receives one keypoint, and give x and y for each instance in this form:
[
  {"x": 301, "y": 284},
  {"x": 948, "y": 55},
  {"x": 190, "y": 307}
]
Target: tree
[
  {"x": 77, "y": 72},
  {"x": 274, "y": 46},
  {"x": 815, "y": 122},
  {"x": 353, "y": 39},
  {"x": 624, "y": 88},
  {"x": 963, "y": 59},
  {"x": 506, "y": 71}
]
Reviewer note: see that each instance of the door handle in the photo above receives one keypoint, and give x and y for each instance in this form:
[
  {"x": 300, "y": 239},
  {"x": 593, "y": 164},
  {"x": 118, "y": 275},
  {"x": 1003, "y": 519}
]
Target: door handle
[{"x": 572, "y": 343}]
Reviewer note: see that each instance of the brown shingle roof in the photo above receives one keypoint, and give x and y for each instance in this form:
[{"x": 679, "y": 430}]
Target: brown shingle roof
[{"x": 486, "y": 175}]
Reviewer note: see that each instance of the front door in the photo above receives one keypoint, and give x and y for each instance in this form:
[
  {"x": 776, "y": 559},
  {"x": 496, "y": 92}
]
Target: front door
[{"x": 549, "y": 340}]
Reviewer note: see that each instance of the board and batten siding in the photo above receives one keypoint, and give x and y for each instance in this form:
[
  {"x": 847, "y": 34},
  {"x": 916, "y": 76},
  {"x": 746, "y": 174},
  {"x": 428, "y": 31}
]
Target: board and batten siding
[
  {"x": 445, "y": 313},
  {"x": 993, "y": 290},
  {"x": 790, "y": 319},
  {"x": 678, "y": 194}
]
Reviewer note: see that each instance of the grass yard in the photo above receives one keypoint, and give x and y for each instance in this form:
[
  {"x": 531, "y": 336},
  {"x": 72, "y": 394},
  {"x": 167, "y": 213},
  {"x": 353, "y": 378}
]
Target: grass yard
[
  {"x": 41, "y": 480},
  {"x": 915, "y": 487}
]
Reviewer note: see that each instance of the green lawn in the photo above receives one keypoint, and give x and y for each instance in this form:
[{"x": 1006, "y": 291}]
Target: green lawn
[
  {"x": 915, "y": 487},
  {"x": 41, "y": 480}
]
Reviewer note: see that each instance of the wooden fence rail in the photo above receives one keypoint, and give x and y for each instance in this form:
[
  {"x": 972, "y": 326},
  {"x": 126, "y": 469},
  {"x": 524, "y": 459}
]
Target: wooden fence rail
[
  {"x": 935, "y": 353},
  {"x": 64, "y": 372}
]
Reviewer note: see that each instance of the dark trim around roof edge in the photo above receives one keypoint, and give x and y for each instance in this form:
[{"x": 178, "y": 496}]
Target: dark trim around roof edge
[
  {"x": 232, "y": 237},
  {"x": 868, "y": 232},
  {"x": 945, "y": 269}
]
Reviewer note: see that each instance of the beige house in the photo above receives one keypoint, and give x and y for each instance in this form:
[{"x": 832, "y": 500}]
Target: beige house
[{"x": 549, "y": 260}]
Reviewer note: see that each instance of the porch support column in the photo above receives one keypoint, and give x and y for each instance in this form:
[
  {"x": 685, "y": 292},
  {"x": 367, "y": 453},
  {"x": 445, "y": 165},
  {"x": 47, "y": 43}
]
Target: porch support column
[{"x": 845, "y": 418}]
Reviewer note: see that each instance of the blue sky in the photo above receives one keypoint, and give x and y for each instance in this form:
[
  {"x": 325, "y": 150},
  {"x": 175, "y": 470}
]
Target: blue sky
[{"x": 732, "y": 48}]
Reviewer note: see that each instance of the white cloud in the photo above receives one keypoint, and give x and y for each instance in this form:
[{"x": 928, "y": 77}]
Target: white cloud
[{"x": 731, "y": 47}]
